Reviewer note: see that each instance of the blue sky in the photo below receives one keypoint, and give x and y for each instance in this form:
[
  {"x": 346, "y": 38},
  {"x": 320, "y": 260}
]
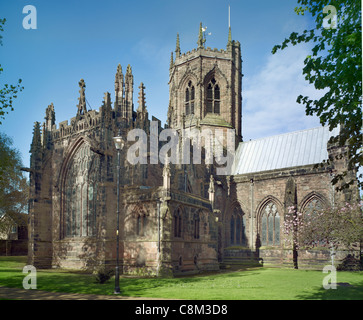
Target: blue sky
[{"x": 88, "y": 39}]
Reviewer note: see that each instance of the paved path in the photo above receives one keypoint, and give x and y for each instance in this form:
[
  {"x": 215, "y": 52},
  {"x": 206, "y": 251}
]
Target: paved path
[{"x": 22, "y": 294}]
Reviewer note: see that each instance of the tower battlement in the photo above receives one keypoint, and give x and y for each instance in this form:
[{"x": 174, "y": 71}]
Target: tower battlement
[{"x": 205, "y": 86}]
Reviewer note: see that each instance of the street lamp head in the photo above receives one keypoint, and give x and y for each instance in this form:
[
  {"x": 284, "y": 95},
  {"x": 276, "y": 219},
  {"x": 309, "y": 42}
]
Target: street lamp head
[{"x": 119, "y": 143}]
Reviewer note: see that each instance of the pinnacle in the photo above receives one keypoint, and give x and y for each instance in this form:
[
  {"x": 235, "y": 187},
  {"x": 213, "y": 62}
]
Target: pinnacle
[
  {"x": 201, "y": 40},
  {"x": 229, "y": 36},
  {"x": 119, "y": 69},
  {"x": 177, "y": 49},
  {"x": 129, "y": 69},
  {"x": 142, "y": 103}
]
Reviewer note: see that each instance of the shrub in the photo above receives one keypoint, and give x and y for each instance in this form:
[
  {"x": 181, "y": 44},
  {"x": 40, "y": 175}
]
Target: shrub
[
  {"x": 103, "y": 275},
  {"x": 349, "y": 263}
]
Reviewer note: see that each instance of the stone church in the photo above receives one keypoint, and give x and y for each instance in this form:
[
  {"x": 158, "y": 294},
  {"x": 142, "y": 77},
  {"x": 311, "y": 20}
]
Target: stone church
[{"x": 174, "y": 218}]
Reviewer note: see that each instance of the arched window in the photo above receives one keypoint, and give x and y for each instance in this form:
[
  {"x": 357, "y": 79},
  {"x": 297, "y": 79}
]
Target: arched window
[
  {"x": 270, "y": 225},
  {"x": 80, "y": 203},
  {"x": 196, "y": 223},
  {"x": 189, "y": 99},
  {"x": 213, "y": 97},
  {"x": 238, "y": 223},
  {"x": 313, "y": 207},
  {"x": 141, "y": 224},
  {"x": 177, "y": 223},
  {"x": 232, "y": 229},
  {"x": 92, "y": 207}
]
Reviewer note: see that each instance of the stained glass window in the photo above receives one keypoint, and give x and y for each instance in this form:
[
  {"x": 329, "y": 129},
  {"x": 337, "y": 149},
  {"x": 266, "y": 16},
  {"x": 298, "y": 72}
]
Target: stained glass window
[
  {"x": 81, "y": 194},
  {"x": 270, "y": 225}
]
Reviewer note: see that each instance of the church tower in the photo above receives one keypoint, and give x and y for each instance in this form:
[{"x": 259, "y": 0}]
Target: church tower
[{"x": 205, "y": 87}]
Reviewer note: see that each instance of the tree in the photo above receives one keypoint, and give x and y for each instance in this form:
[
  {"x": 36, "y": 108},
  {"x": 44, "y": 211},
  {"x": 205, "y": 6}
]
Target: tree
[
  {"x": 9, "y": 91},
  {"x": 331, "y": 228},
  {"x": 13, "y": 185},
  {"x": 335, "y": 66}
]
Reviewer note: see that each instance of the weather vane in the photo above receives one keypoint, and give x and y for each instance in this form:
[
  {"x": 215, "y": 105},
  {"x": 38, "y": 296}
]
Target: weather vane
[{"x": 205, "y": 34}]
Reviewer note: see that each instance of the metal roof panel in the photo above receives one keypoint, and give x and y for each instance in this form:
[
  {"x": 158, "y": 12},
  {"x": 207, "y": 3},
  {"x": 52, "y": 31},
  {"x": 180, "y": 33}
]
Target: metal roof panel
[{"x": 283, "y": 151}]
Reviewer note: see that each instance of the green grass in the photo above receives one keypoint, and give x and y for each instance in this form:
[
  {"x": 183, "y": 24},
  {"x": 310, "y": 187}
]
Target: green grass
[{"x": 249, "y": 284}]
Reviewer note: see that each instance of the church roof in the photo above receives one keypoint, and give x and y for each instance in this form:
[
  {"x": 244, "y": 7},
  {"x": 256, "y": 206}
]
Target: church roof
[{"x": 299, "y": 148}]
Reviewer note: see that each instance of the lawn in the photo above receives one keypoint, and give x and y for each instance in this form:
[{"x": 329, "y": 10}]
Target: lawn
[{"x": 249, "y": 284}]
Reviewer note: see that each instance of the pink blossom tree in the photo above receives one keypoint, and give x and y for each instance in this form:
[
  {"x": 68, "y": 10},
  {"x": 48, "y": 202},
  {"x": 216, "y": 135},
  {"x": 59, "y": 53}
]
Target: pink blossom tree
[{"x": 331, "y": 228}]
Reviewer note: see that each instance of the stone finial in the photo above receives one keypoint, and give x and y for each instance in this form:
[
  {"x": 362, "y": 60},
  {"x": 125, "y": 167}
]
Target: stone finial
[
  {"x": 128, "y": 70},
  {"x": 107, "y": 100},
  {"x": 50, "y": 116},
  {"x": 107, "y": 108},
  {"x": 129, "y": 93},
  {"x": 82, "y": 108},
  {"x": 119, "y": 77},
  {"x": 119, "y": 69},
  {"x": 171, "y": 61},
  {"x": 119, "y": 88},
  {"x": 177, "y": 49},
  {"x": 229, "y": 43},
  {"x": 129, "y": 78},
  {"x": 201, "y": 39},
  {"x": 36, "y": 148},
  {"x": 211, "y": 189},
  {"x": 37, "y": 138},
  {"x": 142, "y": 102}
]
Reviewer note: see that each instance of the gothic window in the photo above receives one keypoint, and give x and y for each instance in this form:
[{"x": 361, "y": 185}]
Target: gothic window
[
  {"x": 313, "y": 207},
  {"x": 196, "y": 226},
  {"x": 213, "y": 97},
  {"x": 177, "y": 223},
  {"x": 141, "y": 224},
  {"x": 232, "y": 229},
  {"x": 270, "y": 225},
  {"x": 92, "y": 205},
  {"x": 138, "y": 225},
  {"x": 80, "y": 194},
  {"x": 237, "y": 227},
  {"x": 189, "y": 99}
]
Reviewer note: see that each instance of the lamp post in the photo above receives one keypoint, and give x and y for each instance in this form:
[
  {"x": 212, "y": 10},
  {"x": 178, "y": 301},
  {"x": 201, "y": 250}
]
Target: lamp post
[{"x": 119, "y": 144}]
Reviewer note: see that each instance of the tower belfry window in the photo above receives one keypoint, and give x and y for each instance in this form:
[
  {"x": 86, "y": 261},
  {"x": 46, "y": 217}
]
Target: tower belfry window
[
  {"x": 189, "y": 99},
  {"x": 213, "y": 97}
]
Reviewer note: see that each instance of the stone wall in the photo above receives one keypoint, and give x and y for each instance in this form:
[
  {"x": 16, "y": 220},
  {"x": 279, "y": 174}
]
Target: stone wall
[
  {"x": 315, "y": 259},
  {"x": 253, "y": 191},
  {"x": 13, "y": 247}
]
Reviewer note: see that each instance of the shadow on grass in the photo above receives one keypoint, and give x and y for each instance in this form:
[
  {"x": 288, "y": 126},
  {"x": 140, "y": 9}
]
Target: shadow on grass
[
  {"x": 343, "y": 291},
  {"x": 78, "y": 282}
]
